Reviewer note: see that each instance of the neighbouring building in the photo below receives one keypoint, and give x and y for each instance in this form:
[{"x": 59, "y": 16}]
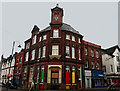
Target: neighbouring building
[
  {"x": 18, "y": 68},
  {"x": 94, "y": 76},
  {"x": 5, "y": 68},
  {"x": 55, "y": 57},
  {"x": 111, "y": 65}
]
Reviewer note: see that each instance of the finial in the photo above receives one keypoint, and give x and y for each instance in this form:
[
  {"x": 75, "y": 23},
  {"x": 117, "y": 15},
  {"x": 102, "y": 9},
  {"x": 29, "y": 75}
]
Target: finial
[{"x": 57, "y": 5}]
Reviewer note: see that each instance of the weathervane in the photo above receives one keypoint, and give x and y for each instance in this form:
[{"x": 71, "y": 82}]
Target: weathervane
[{"x": 57, "y": 5}]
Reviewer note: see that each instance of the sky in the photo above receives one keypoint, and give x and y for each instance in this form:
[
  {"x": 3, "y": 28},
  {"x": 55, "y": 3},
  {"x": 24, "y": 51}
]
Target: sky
[{"x": 96, "y": 21}]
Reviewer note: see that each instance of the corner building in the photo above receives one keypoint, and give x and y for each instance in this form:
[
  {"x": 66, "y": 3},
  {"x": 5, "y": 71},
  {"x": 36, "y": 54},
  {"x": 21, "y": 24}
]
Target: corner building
[{"x": 53, "y": 56}]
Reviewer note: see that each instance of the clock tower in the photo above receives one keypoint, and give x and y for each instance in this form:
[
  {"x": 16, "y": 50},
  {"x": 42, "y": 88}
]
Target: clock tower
[{"x": 57, "y": 15}]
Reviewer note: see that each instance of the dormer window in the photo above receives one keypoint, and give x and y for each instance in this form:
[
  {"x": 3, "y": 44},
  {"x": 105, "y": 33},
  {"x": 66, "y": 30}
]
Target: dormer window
[
  {"x": 73, "y": 38},
  {"x": 27, "y": 45},
  {"x": 44, "y": 37},
  {"x": 34, "y": 39},
  {"x": 55, "y": 33}
]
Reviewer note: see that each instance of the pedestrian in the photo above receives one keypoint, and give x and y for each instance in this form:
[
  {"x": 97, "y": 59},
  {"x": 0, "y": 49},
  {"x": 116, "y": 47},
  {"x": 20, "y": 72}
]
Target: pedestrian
[{"x": 32, "y": 86}]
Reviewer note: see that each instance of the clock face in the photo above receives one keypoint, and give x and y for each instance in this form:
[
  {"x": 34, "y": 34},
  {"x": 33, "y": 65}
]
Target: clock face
[{"x": 56, "y": 17}]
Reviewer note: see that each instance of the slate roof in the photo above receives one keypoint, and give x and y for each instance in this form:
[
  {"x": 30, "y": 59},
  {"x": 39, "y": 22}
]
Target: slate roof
[
  {"x": 65, "y": 27},
  {"x": 111, "y": 50}
]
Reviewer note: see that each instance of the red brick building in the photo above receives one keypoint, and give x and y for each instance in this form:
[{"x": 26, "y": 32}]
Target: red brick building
[
  {"x": 54, "y": 57},
  {"x": 18, "y": 67}
]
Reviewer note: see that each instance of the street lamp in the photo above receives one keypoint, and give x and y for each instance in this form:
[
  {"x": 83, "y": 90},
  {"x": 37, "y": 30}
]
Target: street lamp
[{"x": 11, "y": 59}]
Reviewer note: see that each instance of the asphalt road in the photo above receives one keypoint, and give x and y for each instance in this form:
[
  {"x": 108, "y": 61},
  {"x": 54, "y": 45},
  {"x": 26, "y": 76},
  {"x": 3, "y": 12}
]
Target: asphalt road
[{"x": 97, "y": 89}]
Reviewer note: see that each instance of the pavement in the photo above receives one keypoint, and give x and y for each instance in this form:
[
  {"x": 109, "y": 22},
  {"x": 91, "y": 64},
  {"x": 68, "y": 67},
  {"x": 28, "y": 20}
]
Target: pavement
[{"x": 92, "y": 89}]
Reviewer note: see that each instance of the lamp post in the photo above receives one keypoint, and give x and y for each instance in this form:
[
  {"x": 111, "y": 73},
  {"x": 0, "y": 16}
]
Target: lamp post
[{"x": 11, "y": 59}]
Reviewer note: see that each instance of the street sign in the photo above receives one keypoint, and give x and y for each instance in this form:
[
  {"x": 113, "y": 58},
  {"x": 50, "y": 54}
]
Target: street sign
[{"x": 9, "y": 75}]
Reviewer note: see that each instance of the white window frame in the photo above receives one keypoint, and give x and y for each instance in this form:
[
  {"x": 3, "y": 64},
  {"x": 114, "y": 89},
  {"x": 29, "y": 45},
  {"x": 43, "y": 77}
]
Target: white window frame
[
  {"x": 67, "y": 51},
  {"x": 33, "y": 54},
  {"x": 39, "y": 54},
  {"x": 97, "y": 54},
  {"x": 55, "y": 49},
  {"x": 55, "y": 33},
  {"x": 73, "y": 52},
  {"x": 26, "y": 56},
  {"x": 73, "y": 38},
  {"x": 92, "y": 53},
  {"x": 80, "y": 72},
  {"x": 27, "y": 45},
  {"x": 79, "y": 54},
  {"x": 79, "y": 40},
  {"x": 44, "y": 51},
  {"x": 86, "y": 51},
  {"x": 34, "y": 39},
  {"x": 93, "y": 63},
  {"x": 44, "y": 37},
  {"x": 40, "y": 39},
  {"x": 67, "y": 36}
]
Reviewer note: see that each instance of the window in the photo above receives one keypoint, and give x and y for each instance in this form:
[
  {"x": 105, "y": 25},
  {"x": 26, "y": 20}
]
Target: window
[
  {"x": 79, "y": 54},
  {"x": 97, "y": 65},
  {"x": 34, "y": 39},
  {"x": 79, "y": 40},
  {"x": 39, "y": 54},
  {"x": 31, "y": 74},
  {"x": 26, "y": 56},
  {"x": 111, "y": 67},
  {"x": 67, "y": 36},
  {"x": 104, "y": 68},
  {"x": 55, "y": 50},
  {"x": 118, "y": 68},
  {"x": 86, "y": 64},
  {"x": 86, "y": 51},
  {"x": 115, "y": 81},
  {"x": 117, "y": 58},
  {"x": 44, "y": 50},
  {"x": 38, "y": 70},
  {"x": 55, "y": 33},
  {"x": 16, "y": 69},
  {"x": 33, "y": 54},
  {"x": 92, "y": 53},
  {"x": 80, "y": 74},
  {"x": 92, "y": 65},
  {"x": 73, "y": 52},
  {"x": 44, "y": 37},
  {"x": 73, "y": 74},
  {"x": 42, "y": 73},
  {"x": 25, "y": 69},
  {"x": 20, "y": 59},
  {"x": 97, "y": 54},
  {"x": 67, "y": 54},
  {"x": 73, "y": 38},
  {"x": 19, "y": 70},
  {"x": 67, "y": 73},
  {"x": 40, "y": 39},
  {"x": 27, "y": 45},
  {"x": 17, "y": 60}
]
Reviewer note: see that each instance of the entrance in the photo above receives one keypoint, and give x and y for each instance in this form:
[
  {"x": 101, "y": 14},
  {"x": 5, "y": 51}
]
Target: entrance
[{"x": 54, "y": 79}]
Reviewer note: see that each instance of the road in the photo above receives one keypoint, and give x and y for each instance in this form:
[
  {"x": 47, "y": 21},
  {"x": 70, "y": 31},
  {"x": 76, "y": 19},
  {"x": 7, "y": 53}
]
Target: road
[{"x": 95, "y": 89}]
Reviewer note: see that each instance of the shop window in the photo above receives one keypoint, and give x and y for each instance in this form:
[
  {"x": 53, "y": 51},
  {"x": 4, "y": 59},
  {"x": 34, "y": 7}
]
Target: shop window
[
  {"x": 67, "y": 54},
  {"x": 55, "y": 33},
  {"x": 86, "y": 64},
  {"x": 38, "y": 70},
  {"x": 73, "y": 38},
  {"x": 86, "y": 51},
  {"x": 42, "y": 73},
  {"x": 92, "y": 65},
  {"x": 67, "y": 36},
  {"x": 33, "y": 54},
  {"x": 34, "y": 39},
  {"x": 44, "y": 50},
  {"x": 73, "y": 74},
  {"x": 67, "y": 73},
  {"x": 92, "y": 53},
  {"x": 44, "y": 37},
  {"x": 40, "y": 39},
  {"x": 111, "y": 67},
  {"x": 73, "y": 52},
  {"x": 97, "y": 54},
  {"x": 26, "y": 56},
  {"x": 39, "y": 54},
  {"x": 31, "y": 74},
  {"x": 55, "y": 50}
]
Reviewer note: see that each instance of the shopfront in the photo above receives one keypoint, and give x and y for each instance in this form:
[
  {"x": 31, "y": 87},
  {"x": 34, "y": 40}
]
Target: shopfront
[{"x": 97, "y": 79}]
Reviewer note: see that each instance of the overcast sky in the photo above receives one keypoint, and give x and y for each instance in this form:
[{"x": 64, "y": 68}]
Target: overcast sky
[{"x": 96, "y": 21}]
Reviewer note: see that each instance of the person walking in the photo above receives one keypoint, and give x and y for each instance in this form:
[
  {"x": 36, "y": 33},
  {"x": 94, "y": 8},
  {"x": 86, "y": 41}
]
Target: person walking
[{"x": 32, "y": 86}]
